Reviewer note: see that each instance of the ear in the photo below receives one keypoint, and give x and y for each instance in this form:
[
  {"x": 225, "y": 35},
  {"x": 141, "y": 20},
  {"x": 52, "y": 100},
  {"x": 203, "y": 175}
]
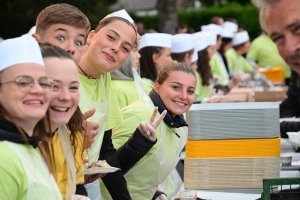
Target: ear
[
  {"x": 155, "y": 57},
  {"x": 36, "y": 36},
  {"x": 156, "y": 88},
  {"x": 90, "y": 37}
]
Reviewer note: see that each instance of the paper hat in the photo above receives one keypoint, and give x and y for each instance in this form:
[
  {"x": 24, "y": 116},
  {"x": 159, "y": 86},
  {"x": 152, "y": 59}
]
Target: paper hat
[
  {"x": 240, "y": 38},
  {"x": 227, "y": 33},
  {"x": 195, "y": 55},
  {"x": 182, "y": 43},
  {"x": 212, "y": 28},
  {"x": 24, "y": 49},
  {"x": 156, "y": 40},
  {"x": 231, "y": 25},
  {"x": 121, "y": 13},
  {"x": 200, "y": 41}
]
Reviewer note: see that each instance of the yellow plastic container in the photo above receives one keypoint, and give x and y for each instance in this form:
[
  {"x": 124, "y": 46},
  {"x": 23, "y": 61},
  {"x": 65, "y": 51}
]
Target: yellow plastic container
[{"x": 275, "y": 74}]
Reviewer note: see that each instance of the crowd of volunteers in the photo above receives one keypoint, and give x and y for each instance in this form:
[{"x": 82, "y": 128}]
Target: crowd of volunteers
[{"x": 71, "y": 96}]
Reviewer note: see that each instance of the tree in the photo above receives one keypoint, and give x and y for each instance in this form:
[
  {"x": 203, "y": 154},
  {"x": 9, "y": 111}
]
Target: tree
[{"x": 167, "y": 15}]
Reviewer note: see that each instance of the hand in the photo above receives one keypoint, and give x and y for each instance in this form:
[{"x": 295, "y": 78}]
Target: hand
[
  {"x": 161, "y": 197},
  {"x": 91, "y": 178},
  {"x": 236, "y": 79},
  {"x": 148, "y": 128},
  {"x": 90, "y": 128},
  {"x": 79, "y": 197}
]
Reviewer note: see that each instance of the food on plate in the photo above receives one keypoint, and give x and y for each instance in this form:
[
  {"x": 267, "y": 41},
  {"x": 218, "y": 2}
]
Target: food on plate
[{"x": 100, "y": 163}]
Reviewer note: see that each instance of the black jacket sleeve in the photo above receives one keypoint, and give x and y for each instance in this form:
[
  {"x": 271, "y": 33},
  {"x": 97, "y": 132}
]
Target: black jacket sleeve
[
  {"x": 133, "y": 150},
  {"x": 290, "y": 106},
  {"x": 114, "y": 182},
  {"x": 288, "y": 127},
  {"x": 157, "y": 194},
  {"x": 80, "y": 189}
]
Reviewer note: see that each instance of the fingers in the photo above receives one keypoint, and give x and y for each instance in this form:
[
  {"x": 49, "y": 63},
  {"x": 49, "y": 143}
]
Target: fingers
[
  {"x": 89, "y": 113},
  {"x": 153, "y": 115},
  {"x": 159, "y": 120}
]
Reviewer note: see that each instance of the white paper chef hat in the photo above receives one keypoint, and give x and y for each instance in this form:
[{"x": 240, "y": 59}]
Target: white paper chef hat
[
  {"x": 231, "y": 25},
  {"x": 195, "y": 55},
  {"x": 156, "y": 40},
  {"x": 121, "y": 13},
  {"x": 212, "y": 28},
  {"x": 24, "y": 49},
  {"x": 227, "y": 33},
  {"x": 182, "y": 42},
  {"x": 211, "y": 38},
  {"x": 200, "y": 41},
  {"x": 240, "y": 38}
]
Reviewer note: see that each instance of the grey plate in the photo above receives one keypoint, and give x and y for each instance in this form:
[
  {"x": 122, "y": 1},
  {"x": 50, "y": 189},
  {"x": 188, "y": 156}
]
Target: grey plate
[{"x": 288, "y": 168}]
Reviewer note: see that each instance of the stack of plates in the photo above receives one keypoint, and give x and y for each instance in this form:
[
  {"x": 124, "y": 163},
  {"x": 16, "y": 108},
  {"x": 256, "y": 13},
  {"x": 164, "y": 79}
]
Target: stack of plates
[{"x": 232, "y": 145}]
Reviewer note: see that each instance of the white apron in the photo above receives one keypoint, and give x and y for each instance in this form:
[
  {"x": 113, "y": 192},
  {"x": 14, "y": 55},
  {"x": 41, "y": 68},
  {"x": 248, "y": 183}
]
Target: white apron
[
  {"x": 64, "y": 136},
  {"x": 138, "y": 83},
  {"x": 100, "y": 116},
  {"x": 41, "y": 183},
  {"x": 143, "y": 179}
]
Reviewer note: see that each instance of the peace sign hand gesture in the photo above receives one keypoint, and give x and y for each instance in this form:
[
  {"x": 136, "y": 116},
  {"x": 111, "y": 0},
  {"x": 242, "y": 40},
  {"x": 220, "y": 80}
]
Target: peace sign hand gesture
[{"x": 148, "y": 128}]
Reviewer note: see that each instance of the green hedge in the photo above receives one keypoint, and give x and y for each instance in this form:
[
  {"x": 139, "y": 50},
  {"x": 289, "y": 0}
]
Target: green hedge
[{"x": 245, "y": 14}]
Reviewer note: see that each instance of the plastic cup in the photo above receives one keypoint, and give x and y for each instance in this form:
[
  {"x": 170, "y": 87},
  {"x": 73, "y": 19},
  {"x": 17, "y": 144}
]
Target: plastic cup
[{"x": 188, "y": 194}]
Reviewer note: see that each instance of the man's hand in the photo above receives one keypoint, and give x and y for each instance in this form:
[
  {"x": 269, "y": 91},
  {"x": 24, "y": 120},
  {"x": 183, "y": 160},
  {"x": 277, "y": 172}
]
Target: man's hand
[
  {"x": 90, "y": 128},
  {"x": 148, "y": 128}
]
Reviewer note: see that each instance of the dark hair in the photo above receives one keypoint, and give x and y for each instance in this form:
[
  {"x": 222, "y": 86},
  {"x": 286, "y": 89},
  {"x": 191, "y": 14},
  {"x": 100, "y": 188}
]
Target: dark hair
[
  {"x": 147, "y": 65},
  {"x": 237, "y": 47},
  {"x": 173, "y": 66},
  {"x": 41, "y": 132},
  {"x": 75, "y": 123},
  {"x": 225, "y": 41},
  {"x": 180, "y": 26},
  {"x": 179, "y": 57},
  {"x": 62, "y": 13},
  {"x": 215, "y": 20},
  {"x": 104, "y": 22},
  {"x": 203, "y": 67}
]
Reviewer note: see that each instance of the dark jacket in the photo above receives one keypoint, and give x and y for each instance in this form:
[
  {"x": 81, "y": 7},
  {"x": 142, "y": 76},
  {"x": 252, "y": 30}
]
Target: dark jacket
[
  {"x": 125, "y": 158},
  {"x": 290, "y": 107}
]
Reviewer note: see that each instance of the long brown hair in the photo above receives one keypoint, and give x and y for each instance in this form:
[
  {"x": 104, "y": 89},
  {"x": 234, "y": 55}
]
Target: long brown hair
[
  {"x": 204, "y": 69},
  {"x": 75, "y": 123}
]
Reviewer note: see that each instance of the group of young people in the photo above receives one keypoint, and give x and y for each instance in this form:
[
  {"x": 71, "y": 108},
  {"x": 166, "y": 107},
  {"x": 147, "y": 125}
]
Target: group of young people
[
  {"x": 60, "y": 109},
  {"x": 70, "y": 95}
]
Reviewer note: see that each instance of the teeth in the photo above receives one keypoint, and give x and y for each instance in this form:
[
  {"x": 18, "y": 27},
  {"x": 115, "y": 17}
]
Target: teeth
[
  {"x": 33, "y": 102},
  {"x": 60, "y": 109},
  {"x": 182, "y": 104}
]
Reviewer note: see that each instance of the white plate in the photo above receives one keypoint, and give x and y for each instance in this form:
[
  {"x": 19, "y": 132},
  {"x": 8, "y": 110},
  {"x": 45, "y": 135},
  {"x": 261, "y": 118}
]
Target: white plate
[{"x": 98, "y": 170}]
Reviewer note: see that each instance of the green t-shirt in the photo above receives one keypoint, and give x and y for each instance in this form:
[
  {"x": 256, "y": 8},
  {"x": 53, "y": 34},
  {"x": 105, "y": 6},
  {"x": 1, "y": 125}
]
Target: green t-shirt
[
  {"x": 238, "y": 63},
  {"x": 125, "y": 91},
  {"x": 148, "y": 84},
  {"x": 93, "y": 90},
  {"x": 218, "y": 68},
  {"x": 201, "y": 91},
  {"x": 265, "y": 53}
]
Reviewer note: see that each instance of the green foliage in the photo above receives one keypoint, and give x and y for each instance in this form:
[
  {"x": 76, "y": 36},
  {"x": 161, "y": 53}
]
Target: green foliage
[{"x": 247, "y": 15}]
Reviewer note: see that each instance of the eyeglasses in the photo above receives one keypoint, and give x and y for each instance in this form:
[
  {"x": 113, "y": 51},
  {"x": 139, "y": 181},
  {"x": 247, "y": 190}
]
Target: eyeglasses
[{"x": 26, "y": 83}]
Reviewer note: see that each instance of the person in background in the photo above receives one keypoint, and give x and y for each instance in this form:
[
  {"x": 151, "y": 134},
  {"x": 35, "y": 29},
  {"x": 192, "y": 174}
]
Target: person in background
[
  {"x": 217, "y": 20},
  {"x": 173, "y": 91},
  {"x": 282, "y": 30},
  {"x": 181, "y": 28},
  {"x": 155, "y": 51},
  {"x": 25, "y": 167},
  {"x": 182, "y": 48},
  {"x": 265, "y": 53},
  {"x": 126, "y": 81},
  {"x": 140, "y": 28},
  {"x": 239, "y": 64}
]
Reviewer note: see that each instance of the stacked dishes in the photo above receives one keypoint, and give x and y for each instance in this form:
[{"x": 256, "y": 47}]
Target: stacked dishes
[{"x": 232, "y": 145}]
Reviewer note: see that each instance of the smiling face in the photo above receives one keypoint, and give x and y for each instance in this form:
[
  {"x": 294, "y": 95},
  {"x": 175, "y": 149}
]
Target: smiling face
[
  {"x": 24, "y": 107},
  {"x": 177, "y": 92},
  {"x": 66, "y": 37},
  {"x": 65, "y": 95},
  {"x": 109, "y": 47},
  {"x": 284, "y": 29}
]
